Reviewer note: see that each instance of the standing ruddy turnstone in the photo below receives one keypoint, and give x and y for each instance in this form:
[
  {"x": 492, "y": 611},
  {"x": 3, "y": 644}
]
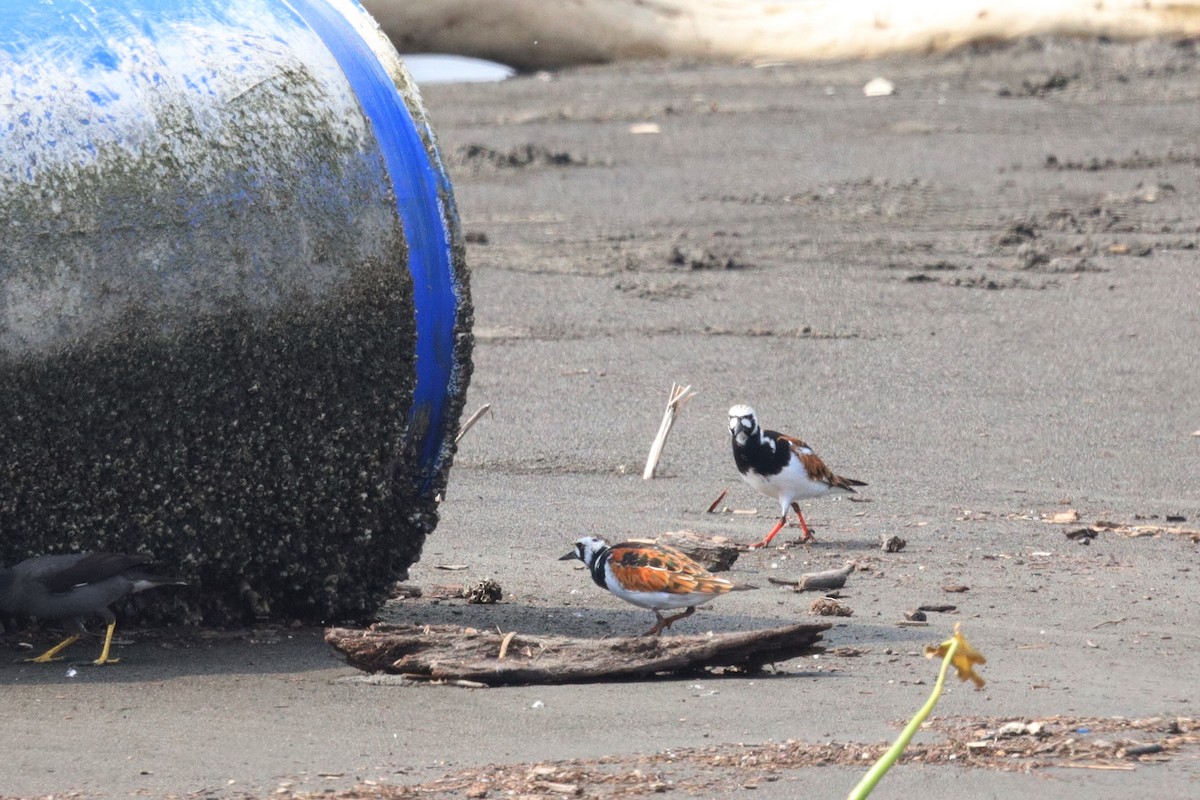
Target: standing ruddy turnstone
[
  {"x": 781, "y": 467},
  {"x": 651, "y": 576}
]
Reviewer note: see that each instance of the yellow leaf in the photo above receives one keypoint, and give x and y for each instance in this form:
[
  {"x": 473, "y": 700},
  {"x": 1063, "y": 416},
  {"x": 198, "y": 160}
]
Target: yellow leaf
[{"x": 965, "y": 657}]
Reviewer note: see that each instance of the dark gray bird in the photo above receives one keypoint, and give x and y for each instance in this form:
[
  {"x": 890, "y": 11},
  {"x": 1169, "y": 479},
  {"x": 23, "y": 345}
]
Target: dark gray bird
[{"x": 73, "y": 587}]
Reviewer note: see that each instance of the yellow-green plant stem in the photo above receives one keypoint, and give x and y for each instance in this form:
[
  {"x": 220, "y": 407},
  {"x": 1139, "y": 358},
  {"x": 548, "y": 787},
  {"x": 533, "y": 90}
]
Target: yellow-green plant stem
[{"x": 867, "y": 784}]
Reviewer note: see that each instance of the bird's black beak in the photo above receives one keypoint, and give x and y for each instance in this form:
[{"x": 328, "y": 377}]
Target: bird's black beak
[{"x": 569, "y": 556}]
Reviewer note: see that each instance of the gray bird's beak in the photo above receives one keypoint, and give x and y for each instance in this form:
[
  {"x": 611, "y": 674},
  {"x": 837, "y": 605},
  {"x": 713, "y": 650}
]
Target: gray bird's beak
[{"x": 569, "y": 556}]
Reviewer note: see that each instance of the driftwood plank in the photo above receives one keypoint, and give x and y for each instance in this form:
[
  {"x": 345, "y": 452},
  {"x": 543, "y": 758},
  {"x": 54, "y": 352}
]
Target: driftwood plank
[
  {"x": 714, "y": 553},
  {"x": 448, "y": 652}
]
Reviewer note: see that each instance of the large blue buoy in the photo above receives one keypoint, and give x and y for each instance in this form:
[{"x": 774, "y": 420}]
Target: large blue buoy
[{"x": 234, "y": 316}]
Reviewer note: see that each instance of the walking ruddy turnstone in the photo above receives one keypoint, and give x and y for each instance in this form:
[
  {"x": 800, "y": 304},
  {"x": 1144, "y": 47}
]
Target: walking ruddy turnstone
[
  {"x": 781, "y": 467},
  {"x": 651, "y": 576}
]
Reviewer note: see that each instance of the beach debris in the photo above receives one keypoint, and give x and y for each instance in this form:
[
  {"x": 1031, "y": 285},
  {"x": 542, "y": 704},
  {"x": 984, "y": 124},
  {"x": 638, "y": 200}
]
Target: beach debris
[
  {"x": 446, "y": 591},
  {"x": 453, "y": 653},
  {"x": 714, "y": 553},
  {"x": 829, "y": 579},
  {"x": 879, "y": 87},
  {"x": 830, "y": 607},
  {"x": 1081, "y": 535},
  {"x": 1018, "y": 728},
  {"x": 848, "y": 652},
  {"x": 675, "y": 404},
  {"x": 466, "y": 426},
  {"x": 891, "y": 544},
  {"x": 504, "y": 643},
  {"x": 955, "y": 588},
  {"x": 478, "y": 158},
  {"x": 937, "y": 608},
  {"x": 916, "y": 615},
  {"x": 1063, "y": 517},
  {"x": 959, "y": 740},
  {"x": 698, "y": 258},
  {"x": 404, "y": 591},
  {"x": 1142, "y": 750},
  {"x": 644, "y": 128},
  {"x": 451, "y": 567},
  {"x": 715, "y": 503},
  {"x": 486, "y": 592}
]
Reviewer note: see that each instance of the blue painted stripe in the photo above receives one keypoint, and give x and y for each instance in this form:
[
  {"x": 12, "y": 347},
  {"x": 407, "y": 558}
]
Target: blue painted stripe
[{"x": 417, "y": 184}]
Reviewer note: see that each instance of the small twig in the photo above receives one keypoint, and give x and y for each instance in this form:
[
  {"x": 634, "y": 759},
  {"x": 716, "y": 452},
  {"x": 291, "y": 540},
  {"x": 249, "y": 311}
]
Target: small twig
[
  {"x": 504, "y": 643},
  {"x": 1108, "y": 622},
  {"x": 712, "y": 509},
  {"x": 483, "y": 409},
  {"x": 675, "y": 403}
]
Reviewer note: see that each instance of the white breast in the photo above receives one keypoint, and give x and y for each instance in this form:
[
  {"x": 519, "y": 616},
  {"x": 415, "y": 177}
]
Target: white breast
[{"x": 658, "y": 600}]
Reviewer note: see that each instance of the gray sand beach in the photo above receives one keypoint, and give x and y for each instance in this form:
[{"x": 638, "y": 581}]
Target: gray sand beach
[{"x": 979, "y": 295}]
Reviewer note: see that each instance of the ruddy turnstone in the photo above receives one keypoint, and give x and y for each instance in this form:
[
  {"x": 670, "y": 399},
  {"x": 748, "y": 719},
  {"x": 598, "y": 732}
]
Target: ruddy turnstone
[
  {"x": 71, "y": 587},
  {"x": 651, "y": 576},
  {"x": 781, "y": 467}
]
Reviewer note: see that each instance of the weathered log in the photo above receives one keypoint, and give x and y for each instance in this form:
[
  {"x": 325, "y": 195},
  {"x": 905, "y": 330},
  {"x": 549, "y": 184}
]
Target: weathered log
[
  {"x": 531, "y": 34},
  {"x": 448, "y": 652},
  {"x": 714, "y": 553}
]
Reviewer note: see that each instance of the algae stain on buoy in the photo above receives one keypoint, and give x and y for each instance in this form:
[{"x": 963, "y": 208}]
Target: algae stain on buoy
[{"x": 234, "y": 318}]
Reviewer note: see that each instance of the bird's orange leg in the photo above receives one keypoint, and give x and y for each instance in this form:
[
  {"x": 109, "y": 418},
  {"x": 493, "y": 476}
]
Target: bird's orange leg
[
  {"x": 767, "y": 539},
  {"x": 807, "y": 537},
  {"x": 665, "y": 622}
]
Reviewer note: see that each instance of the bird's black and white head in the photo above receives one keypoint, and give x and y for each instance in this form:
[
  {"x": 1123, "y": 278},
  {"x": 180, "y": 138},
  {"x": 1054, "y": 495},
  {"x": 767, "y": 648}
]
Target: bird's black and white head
[
  {"x": 587, "y": 550},
  {"x": 743, "y": 423}
]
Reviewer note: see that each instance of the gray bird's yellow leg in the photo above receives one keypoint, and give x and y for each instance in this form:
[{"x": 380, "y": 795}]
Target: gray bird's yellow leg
[
  {"x": 52, "y": 653},
  {"x": 104, "y": 659}
]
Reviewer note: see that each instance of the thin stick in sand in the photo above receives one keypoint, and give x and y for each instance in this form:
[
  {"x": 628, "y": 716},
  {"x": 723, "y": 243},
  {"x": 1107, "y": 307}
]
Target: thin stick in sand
[
  {"x": 675, "y": 403},
  {"x": 483, "y": 409}
]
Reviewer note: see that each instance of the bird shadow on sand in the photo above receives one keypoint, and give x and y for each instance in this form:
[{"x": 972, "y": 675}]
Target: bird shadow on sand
[{"x": 823, "y": 546}]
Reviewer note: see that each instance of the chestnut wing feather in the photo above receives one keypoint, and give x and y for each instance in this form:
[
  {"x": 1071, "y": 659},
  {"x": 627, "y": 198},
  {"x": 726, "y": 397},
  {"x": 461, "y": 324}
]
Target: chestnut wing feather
[
  {"x": 817, "y": 468},
  {"x": 799, "y": 446},
  {"x": 657, "y": 568}
]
